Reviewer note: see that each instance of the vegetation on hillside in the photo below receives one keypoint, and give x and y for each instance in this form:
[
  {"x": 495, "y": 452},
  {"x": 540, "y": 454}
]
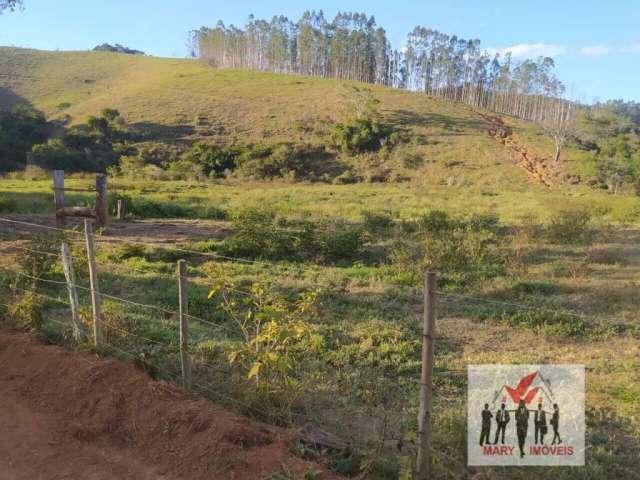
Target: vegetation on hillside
[{"x": 117, "y": 48}]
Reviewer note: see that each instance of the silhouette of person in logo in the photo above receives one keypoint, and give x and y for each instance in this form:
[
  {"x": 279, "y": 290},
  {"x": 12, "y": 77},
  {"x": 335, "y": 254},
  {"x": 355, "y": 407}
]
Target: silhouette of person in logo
[
  {"x": 486, "y": 425},
  {"x": 540, "y": 423},
  {"x": 502, "y": 418},
  {"x": 555, "y": 420},
  {"x": 522, "y": 425}
]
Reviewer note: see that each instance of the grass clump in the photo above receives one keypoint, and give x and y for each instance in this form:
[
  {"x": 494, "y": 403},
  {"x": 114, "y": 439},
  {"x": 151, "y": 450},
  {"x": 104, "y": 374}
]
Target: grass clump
[{"x": 547, "y": 322}]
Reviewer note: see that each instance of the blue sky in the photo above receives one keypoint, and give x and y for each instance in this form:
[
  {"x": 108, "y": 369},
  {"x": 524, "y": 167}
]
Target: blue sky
[{"x": 596, "y": 43}]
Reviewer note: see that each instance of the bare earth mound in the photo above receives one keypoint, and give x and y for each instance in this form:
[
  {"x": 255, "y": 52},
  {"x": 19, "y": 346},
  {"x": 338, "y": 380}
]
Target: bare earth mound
[{"x": 73, "y": 416}]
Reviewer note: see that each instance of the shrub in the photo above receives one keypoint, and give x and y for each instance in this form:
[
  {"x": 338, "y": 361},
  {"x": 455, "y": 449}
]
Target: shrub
[
  {"x": 257, "y": 235},
  {"x": 357, "y": 135},
  {"x": 271, "y": 162},
  {"x": 570, "y": 227},
  {"x": 260, "y": 234},
  {"x": 214, "y": 161},
  {"x": 461, "y": 251},
  {"x": 26, "y": 311},
  {"x": 377, "y": 223},
  {"x": 338, "y": 241}
]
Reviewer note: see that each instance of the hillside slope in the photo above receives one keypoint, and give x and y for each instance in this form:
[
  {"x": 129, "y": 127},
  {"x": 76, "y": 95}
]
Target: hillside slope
[{"x": 181, "y": 101}]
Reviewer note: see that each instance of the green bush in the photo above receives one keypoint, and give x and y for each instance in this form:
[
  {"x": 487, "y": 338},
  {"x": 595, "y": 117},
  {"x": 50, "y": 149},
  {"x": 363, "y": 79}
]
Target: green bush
[
  {"x": 339, "y": 241},
  {"x": 215, "y": 161},
  {"x": 461, "y": 251},
  {"x": 26, "y": 312},
  {"x": 570, "y": 227},
  {"x": 358, "y": 135},
  {"x": 377, "y": 223},
  {"x": 260, "y": 234},
  {"x": 283, "y": 160}
]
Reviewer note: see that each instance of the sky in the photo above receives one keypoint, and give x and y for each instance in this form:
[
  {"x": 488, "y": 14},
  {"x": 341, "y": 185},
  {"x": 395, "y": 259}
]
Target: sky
[{"x": 595, "y": 43}]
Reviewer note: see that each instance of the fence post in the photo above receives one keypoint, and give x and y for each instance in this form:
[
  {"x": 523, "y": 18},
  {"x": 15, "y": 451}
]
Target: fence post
[
  {"x": 58, "y": 196},
  {"x": 102, "y": 202},
  {"x": 93, "y": 281},
  {"x": 120, "y": 209},
  {"x": 426, "y": 379},
  {"x": 69, "y": 274},
  {"x": 183, "y": 295}
]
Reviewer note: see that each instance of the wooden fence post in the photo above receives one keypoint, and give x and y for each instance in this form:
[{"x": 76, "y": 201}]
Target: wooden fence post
[
  {"x": 120, "y": 209},
  {"x": 58, "y": 196},
  {"x": 183, "y": 295},
  {"x": 69, "y": 274},
  {"x": 426, "y": 379},
  {"x": 93, "y": 281},
  {"x": 102, "y": 202}
]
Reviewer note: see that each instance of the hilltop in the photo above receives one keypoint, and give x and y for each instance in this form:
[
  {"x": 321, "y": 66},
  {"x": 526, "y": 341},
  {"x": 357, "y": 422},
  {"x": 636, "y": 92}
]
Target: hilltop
[{"x": 178, "y": 102}]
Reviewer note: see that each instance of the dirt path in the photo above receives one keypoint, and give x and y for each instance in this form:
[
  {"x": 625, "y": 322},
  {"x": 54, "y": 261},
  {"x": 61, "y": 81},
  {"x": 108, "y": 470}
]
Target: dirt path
[
  {"x": 68, "y": 416},
  {"x": 537, "y": 168},
  {"x": 152, "y": 231}
]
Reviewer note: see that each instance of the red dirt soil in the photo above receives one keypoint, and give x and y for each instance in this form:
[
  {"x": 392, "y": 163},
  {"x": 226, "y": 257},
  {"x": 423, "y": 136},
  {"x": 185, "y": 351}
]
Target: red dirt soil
[{"x": 74, "y": 416}]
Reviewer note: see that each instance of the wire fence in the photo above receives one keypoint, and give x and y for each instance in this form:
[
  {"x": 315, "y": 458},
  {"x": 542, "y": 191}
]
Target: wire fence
[{"x": 167, "y": 363}]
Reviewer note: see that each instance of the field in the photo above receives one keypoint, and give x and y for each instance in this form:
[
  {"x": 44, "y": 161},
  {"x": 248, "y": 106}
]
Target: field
[
  {"x": 527, "y": 272},
  {"x": 582, "y": 291}
]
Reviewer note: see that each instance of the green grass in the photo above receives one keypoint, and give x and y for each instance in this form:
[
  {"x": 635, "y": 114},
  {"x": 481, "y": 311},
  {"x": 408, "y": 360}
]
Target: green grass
[
  {"x": 370, "y": 320},
  {"x": 348, "y": 201}
]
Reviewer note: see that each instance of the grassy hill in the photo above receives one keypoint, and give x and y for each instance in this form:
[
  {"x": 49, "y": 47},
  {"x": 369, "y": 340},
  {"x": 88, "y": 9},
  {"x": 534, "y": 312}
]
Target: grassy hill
[
  {"x": 528, "y": 273},
  {"x": 179, "y": 101}
]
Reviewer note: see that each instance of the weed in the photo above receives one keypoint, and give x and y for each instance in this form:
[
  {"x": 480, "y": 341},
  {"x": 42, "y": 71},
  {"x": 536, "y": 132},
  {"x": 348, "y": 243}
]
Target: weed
[{"x": 26, "y": 311}]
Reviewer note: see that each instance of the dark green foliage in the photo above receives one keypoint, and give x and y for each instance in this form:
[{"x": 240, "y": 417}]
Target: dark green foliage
[
  {"x": 214, "y": 160},
  {"x": 357, "y": 135},
  {"x": 55, "y": 155},
  {"x": 117, "y": 48},
  {"x": 20, "y": 130},
  {"x": 271, "y": 162},
  {"x": 250, "y": 161}
]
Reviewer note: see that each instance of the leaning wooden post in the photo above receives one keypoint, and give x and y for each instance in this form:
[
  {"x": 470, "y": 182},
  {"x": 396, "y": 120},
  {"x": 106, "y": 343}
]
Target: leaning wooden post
[
  {"x": 102, "y": 202},
  {"x": 78, "y": 327},
  {"x": 93, "y": 282},
  {"x": 426, "y": 379},
  {"x": 120, "y": 209},
  {"x": 183, "y": 296},
  {"x": 58, "y": 196}
]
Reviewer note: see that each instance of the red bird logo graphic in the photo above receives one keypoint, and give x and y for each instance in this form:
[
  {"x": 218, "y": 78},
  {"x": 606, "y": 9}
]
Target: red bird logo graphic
[{"x": 519, "y": 392}]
